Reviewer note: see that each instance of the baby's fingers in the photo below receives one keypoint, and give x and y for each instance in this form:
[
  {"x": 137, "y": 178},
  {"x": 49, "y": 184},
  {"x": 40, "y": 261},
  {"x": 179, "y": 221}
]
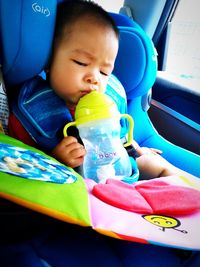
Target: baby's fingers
[
  {"x": 155, "y": 150},
  {"x": 76, "y": 150}
]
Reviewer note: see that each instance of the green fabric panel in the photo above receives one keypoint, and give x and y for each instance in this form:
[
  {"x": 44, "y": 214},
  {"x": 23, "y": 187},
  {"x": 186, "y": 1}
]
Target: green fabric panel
[{"x": 69, "y": 199}]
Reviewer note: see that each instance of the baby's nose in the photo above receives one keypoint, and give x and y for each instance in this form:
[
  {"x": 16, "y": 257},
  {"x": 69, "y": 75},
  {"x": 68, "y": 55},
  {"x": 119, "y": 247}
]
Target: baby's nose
[{"x": 92, "y": 79}]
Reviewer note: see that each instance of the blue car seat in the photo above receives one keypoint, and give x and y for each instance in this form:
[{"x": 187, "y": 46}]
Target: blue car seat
[{"x": 26, "y": 38}]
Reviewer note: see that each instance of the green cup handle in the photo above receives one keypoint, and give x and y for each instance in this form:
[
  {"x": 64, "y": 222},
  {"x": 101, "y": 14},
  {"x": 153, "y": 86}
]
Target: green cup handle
[
  {"x": 73, "y": 123},
  {"x": 130, "y": 129},
  {"x": 126, "y": 116}
]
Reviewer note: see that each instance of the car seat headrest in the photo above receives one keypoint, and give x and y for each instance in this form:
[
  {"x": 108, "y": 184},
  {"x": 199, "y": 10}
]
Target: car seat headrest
[
  {"x": 136, "y": 63},
  {"x": 26, "y": 32}
]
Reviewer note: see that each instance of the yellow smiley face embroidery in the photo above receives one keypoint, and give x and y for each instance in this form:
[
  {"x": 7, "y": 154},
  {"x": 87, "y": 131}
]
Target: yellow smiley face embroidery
[{"x": 164, "y": 222}]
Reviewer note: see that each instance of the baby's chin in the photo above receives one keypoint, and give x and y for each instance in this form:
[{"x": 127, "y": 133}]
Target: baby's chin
[{"x": 72, "y": 103}]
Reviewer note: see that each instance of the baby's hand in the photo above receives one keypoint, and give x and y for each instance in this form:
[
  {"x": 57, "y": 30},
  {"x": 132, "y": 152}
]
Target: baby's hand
[
  {"x": 145, "y": 150},
  {"x": 70, "y": 152}
]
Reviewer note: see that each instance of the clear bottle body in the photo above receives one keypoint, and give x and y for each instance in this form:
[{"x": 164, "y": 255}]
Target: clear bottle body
[{"x": 106, "y": 157}]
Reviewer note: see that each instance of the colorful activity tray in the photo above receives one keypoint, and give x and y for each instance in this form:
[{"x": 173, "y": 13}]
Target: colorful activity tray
[{"x": 163, "y": 211}]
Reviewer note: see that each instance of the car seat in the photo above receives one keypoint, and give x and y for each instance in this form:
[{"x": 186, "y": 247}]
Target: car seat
[{"x": 26, "y": 30}]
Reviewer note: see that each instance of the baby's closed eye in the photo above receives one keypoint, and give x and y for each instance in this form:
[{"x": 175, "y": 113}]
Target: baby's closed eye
[{"x": 80, "y": 62}]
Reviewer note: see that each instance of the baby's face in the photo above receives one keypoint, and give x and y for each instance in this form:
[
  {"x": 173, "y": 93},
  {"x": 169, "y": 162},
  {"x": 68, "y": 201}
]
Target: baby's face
[{"x": 83, "y": 61}]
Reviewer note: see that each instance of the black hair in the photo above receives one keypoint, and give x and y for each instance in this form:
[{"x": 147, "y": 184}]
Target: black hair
[{"x": 72, "y": 10}]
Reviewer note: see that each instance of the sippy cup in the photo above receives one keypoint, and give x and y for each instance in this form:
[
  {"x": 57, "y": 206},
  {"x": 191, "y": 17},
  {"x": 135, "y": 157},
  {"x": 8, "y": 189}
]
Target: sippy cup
[{"x": 98, "y": 121}]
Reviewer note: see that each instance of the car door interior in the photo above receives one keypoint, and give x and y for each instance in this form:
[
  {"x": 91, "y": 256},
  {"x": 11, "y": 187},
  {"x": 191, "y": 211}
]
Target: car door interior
[{"x": 175, "y": 114}]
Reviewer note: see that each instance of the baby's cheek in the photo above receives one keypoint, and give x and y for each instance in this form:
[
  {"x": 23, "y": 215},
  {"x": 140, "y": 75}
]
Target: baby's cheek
[{"x": 103, "y": 86}]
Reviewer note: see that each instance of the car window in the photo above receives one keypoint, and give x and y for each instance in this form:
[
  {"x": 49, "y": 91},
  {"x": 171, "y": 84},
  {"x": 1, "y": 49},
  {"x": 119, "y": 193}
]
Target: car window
[
  {"x": 183, "y": 57},
  {"x": 111, "y": 6}
]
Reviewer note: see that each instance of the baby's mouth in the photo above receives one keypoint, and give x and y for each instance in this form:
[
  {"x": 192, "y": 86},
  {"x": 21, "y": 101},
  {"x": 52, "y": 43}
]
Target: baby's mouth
[{"x": 85, "y": 92}]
